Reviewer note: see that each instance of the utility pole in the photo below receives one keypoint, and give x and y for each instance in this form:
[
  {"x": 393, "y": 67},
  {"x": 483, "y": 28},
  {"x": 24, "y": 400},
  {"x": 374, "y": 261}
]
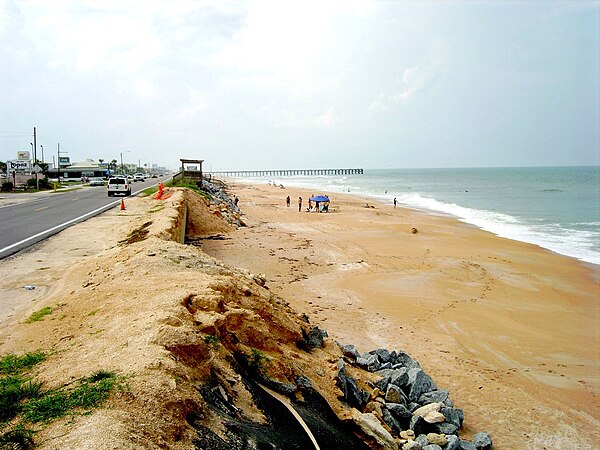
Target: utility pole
[
  {"x": 37, "y": 181},
  {"x": 58, "y": 163}
]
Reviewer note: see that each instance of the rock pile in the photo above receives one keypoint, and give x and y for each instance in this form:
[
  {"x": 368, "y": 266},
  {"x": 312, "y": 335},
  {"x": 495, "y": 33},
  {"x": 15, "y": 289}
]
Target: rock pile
[
  {"x": 225, "y": 205},
  {"x": 405, "y": 409}
]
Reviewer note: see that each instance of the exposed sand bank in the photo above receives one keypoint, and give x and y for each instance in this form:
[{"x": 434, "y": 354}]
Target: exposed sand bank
[{"x": 511, "y": 329}]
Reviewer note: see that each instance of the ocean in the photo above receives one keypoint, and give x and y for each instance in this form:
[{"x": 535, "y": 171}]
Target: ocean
[{"x": 557, "y": 208}]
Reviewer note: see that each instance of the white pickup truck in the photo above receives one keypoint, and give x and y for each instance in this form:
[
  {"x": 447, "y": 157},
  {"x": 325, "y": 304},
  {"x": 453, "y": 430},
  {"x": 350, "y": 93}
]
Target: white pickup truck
[{"x": 118, "y": 185}]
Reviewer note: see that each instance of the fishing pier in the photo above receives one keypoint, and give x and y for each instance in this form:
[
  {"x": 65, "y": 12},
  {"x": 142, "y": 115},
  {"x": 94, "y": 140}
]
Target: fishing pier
[{"x": 286, "y": 172}]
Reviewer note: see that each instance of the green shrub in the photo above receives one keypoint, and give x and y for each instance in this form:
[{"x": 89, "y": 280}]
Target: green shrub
[{"x": 39, "y": 315}]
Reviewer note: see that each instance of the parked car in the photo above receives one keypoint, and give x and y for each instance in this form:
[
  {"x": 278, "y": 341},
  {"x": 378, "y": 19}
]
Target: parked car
[
  {"x": 118, "y": 185},
  {"x": 139, "y": 177},
  {"x": 97, "y": 181}
]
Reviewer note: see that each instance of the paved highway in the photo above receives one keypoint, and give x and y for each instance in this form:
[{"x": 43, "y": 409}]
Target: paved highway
[{"x": 44, "y": 214}]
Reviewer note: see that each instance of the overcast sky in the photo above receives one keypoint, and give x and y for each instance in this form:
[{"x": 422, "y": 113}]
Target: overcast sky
[{"x": 302, "y": 84}]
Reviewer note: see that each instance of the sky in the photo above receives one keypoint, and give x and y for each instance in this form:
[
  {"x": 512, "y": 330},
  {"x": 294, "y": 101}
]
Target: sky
[{"x": 303, "y": 84}]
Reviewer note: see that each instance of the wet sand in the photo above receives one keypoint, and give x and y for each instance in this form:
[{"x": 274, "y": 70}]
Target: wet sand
[{"x": 511, "y": 329}]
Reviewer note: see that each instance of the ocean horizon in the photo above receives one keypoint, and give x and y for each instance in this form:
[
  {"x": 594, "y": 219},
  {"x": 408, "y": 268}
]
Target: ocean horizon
[{"x": 557, "y": 208}]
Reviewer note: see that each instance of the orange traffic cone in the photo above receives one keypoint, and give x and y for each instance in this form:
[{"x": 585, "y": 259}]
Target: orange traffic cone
[{"x": 122, "y": 205}]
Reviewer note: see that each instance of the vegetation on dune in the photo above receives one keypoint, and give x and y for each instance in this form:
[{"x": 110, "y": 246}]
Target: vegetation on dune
[
  {"x": 24, "y": 401},
  {"x": 39, "y": 315},
  {"x": 190, "y": 184}
]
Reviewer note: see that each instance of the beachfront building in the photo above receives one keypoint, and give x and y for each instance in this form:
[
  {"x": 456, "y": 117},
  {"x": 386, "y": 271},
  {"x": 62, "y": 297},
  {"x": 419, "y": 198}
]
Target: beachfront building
[{"x": 76, "y": 171}]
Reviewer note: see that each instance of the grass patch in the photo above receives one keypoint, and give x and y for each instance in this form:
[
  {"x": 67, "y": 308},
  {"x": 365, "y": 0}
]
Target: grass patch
[
  {"x": 149, "y": 191},
  {"x": 12, "y": 364},
  {"x": 39, "y": 315},
  {"x": 190, "y": 184},
  {"x": 24, "y": 401},
  {"x": 212, "y": 341},
  {"x": 17, "y": 438},
  {"x": 258, "y": 360}
]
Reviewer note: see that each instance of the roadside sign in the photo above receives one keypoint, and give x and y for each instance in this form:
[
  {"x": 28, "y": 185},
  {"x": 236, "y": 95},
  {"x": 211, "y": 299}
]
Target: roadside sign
[
  {"x": 37, "y": 169},
  {"x": 18, "y": 166},
  {"x": 23, "y": 156}
]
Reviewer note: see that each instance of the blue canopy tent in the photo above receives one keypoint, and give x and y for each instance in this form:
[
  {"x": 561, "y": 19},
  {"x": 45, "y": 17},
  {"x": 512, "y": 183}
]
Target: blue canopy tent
[{"x": 319, "y": 198}]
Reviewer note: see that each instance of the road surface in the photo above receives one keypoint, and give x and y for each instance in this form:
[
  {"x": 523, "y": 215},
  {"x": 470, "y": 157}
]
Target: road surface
[{"x": 23, "y": 223}]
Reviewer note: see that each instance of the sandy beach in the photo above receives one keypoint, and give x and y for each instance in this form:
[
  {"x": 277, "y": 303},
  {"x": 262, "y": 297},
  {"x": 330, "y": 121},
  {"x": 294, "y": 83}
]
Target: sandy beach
[{"x": 511, "y": 329}]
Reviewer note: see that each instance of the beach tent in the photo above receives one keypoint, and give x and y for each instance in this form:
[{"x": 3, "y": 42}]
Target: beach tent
[{"x": 319, "y": 198}]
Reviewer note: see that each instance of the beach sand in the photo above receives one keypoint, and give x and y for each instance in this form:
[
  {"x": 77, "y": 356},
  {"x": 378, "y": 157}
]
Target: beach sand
[{"x": 510, "y": 329}]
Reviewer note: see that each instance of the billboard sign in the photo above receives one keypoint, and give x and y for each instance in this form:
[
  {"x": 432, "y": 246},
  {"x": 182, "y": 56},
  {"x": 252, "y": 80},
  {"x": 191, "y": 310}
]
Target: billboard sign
[
  {"x": 18, "y": 166},
  {"x": 23, "y": 156}
]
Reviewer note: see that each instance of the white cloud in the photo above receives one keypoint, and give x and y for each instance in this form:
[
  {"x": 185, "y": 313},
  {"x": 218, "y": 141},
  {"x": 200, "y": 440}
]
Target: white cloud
[{"x": 417, "y": 79}]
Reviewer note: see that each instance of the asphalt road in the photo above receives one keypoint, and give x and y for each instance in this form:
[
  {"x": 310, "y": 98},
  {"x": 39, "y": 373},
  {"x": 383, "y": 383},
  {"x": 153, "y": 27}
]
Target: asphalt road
[{"x": 44, "y": 214}]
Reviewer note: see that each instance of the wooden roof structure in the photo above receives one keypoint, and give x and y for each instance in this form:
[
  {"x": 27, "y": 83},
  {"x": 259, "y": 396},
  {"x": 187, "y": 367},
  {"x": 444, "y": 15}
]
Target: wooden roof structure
[{"x": 191, "y": 168}]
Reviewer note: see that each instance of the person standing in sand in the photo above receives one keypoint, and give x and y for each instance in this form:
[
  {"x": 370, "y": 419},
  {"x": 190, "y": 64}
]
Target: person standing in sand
[
  {"x": 287, "y": 201},
  {"x": 299, "y": 204},
  {"x": 395, "y": 202}
]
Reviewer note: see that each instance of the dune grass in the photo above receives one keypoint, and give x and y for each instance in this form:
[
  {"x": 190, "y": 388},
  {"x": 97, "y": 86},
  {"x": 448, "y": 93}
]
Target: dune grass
[{"x": 25, "y": 401}]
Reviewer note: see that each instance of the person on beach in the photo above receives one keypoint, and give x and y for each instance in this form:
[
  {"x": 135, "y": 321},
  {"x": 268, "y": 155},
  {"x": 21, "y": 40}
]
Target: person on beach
[
  {"x": 299, "y": 204},
  {"x": 236, "y": 200},
  {"x": 287, "y": 201},
  {"x": 395, "y": 202}
]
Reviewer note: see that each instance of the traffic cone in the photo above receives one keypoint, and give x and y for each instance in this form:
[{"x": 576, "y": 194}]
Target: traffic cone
[{"x": 122, "y": 205}]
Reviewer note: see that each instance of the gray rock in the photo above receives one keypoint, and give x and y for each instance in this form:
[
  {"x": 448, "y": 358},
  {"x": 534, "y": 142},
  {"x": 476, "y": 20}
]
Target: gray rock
[
  {"x": 437, "y": 396},
  {"x": 341, "y": 379},
  {"x": 482, "y": 441},
  {"x": 349, "y": 351},
  {"x": 454, "y": 416},
  {"x": 280, "y": 386},
  {"x": 446, "y": 428},
  {"x": 382, "y": 384},
  {"x": 356, "y": 397},
  {"x": 412, "y": 406},
  {"x": 303, "y": 382},
  {"x": 400, "y": 412},
  {"x": 422, "y": 439},
  {"x": 432, "y": 447},
  {"x": 383, "y": 355},
  {"x": 399, "y": 377},
  {"x": 453, "y": 443},
  {"x": 466, "y": 445},
  {"x": 405, "y": 361},
  {"x": 315, "y": 337},
  {"x": 387, "y": 365},
  {"x": 391, "y": 421},
  {"x": 419, "y": 425},
  {"x": 412, "y": 445},
  {"x": 370, "y": 363},
  {"x": 419, "y": 383}
]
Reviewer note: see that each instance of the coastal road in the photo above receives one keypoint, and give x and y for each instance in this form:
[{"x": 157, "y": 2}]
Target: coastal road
[{"x": 24, "y": 223}]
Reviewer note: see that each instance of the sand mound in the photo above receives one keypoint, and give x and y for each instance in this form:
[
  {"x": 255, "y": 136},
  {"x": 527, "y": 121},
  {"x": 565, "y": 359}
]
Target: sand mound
[{"x": 174, "y": 322}]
